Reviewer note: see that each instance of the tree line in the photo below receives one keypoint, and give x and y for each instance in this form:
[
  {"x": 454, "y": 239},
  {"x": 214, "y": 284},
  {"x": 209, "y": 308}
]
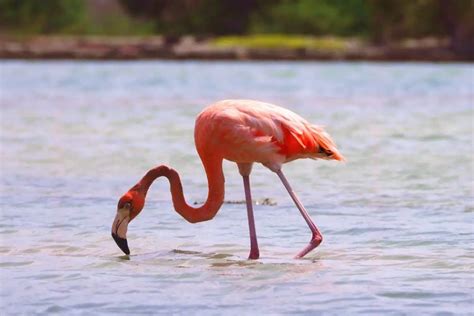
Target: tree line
[{"x": 380, "y": 21}]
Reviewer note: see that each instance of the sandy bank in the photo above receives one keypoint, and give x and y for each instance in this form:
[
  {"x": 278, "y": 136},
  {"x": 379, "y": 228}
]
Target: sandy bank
[{"x": 158, "y": 47}]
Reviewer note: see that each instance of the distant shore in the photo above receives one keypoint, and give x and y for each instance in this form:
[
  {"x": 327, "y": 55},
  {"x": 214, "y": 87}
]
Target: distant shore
[{"x": 188, "y": 47}]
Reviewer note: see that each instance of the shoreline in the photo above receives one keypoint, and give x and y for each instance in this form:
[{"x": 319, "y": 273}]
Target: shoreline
[{"x": 193, "y": 48}]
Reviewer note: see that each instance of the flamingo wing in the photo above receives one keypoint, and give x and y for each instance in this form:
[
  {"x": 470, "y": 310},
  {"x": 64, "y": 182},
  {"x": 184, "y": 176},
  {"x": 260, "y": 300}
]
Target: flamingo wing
[{"x": 249, "y": 131}]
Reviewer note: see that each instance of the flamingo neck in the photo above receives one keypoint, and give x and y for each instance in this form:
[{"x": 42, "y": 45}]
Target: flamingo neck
[{"x": 215, "y": 197}]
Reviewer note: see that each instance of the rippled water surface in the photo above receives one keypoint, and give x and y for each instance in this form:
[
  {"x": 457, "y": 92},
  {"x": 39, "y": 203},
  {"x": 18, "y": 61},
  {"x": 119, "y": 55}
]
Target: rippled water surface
[{"x": 397, "y": 217}]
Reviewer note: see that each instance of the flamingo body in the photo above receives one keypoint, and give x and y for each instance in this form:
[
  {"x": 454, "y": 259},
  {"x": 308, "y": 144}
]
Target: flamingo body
[{"x": 245, "y": 132}]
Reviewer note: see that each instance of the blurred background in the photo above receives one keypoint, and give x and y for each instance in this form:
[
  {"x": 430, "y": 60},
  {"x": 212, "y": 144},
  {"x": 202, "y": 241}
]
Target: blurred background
[
  {"x": 408, "y": 29},
  {"x": 95, "y": 93}
]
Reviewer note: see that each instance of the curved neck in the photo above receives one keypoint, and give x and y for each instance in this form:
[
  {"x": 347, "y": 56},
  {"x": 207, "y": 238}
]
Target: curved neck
[{"x": 215, "y": 196}]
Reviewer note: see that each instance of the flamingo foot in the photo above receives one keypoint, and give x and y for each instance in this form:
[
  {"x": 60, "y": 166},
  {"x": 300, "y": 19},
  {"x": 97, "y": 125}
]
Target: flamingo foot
[
  {"x": 254, "y": 254},
  {"x": 315, "y": 241}
]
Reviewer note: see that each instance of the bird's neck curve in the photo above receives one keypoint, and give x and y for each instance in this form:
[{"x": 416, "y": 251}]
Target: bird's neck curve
[{"x": 215, "y": 196}]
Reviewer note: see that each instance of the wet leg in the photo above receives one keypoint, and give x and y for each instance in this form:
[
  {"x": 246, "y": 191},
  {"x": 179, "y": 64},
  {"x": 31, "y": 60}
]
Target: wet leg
[
  {"x": 316, "y": 238},
  {"x": 254, "y": 252}
]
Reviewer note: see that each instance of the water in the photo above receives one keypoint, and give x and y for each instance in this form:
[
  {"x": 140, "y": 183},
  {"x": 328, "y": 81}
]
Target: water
[{"x": 397, "y": 217}]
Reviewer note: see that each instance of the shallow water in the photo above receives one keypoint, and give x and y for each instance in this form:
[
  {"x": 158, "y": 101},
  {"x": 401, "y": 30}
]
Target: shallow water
[{"x": 397, "y": 217}]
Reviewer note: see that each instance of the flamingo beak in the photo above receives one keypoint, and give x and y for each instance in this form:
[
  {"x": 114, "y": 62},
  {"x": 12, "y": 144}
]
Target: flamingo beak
[{"x": 119, "y": 229}]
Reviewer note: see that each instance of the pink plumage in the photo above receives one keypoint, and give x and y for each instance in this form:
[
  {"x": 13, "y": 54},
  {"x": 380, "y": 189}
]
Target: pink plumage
[{"x": 247, "y": 131}]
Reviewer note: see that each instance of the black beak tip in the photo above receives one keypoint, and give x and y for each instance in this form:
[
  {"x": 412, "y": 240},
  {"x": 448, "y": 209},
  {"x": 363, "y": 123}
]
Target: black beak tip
[{"x": 122, "y": 243}]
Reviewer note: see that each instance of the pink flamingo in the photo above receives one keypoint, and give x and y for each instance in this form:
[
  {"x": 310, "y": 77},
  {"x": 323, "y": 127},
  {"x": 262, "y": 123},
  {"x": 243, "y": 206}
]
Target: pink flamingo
[{"x": 243, "y": 131}]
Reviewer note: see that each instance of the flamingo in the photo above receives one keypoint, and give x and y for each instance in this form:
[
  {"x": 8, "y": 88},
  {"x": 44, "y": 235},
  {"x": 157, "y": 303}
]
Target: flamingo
[{"x": 245, "y": 132}]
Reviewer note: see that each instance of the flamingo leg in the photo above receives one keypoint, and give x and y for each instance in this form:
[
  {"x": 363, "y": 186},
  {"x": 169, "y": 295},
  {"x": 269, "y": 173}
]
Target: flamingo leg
[
  {"x": 316, "y": 238},
  {"x": 254, "y": 252}
]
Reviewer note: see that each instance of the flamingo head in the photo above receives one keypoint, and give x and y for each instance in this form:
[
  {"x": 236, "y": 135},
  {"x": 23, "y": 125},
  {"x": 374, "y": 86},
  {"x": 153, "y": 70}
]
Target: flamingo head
[{"x": 129, "y": 206}]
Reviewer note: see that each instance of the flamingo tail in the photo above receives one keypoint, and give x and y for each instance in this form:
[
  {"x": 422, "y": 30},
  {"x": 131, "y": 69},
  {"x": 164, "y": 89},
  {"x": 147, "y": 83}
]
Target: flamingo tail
[{"x": 325, "y": 143}]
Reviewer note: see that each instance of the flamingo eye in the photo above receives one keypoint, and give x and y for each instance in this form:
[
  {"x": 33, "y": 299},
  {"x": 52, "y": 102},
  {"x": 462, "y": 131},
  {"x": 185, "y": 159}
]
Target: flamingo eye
[{"x": 127, "y": 205}]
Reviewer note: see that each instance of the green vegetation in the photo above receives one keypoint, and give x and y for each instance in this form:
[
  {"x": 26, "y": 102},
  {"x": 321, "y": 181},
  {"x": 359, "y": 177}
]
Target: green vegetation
[
  {"x": 380, "y": 21},
  {"x": 29, "y": 17},
  {"x": 116, "y": 24},
  {"x": 47, "y": 16},
  {"x": 316, "y": 17},
  {"x": 282, "y": 41}
]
